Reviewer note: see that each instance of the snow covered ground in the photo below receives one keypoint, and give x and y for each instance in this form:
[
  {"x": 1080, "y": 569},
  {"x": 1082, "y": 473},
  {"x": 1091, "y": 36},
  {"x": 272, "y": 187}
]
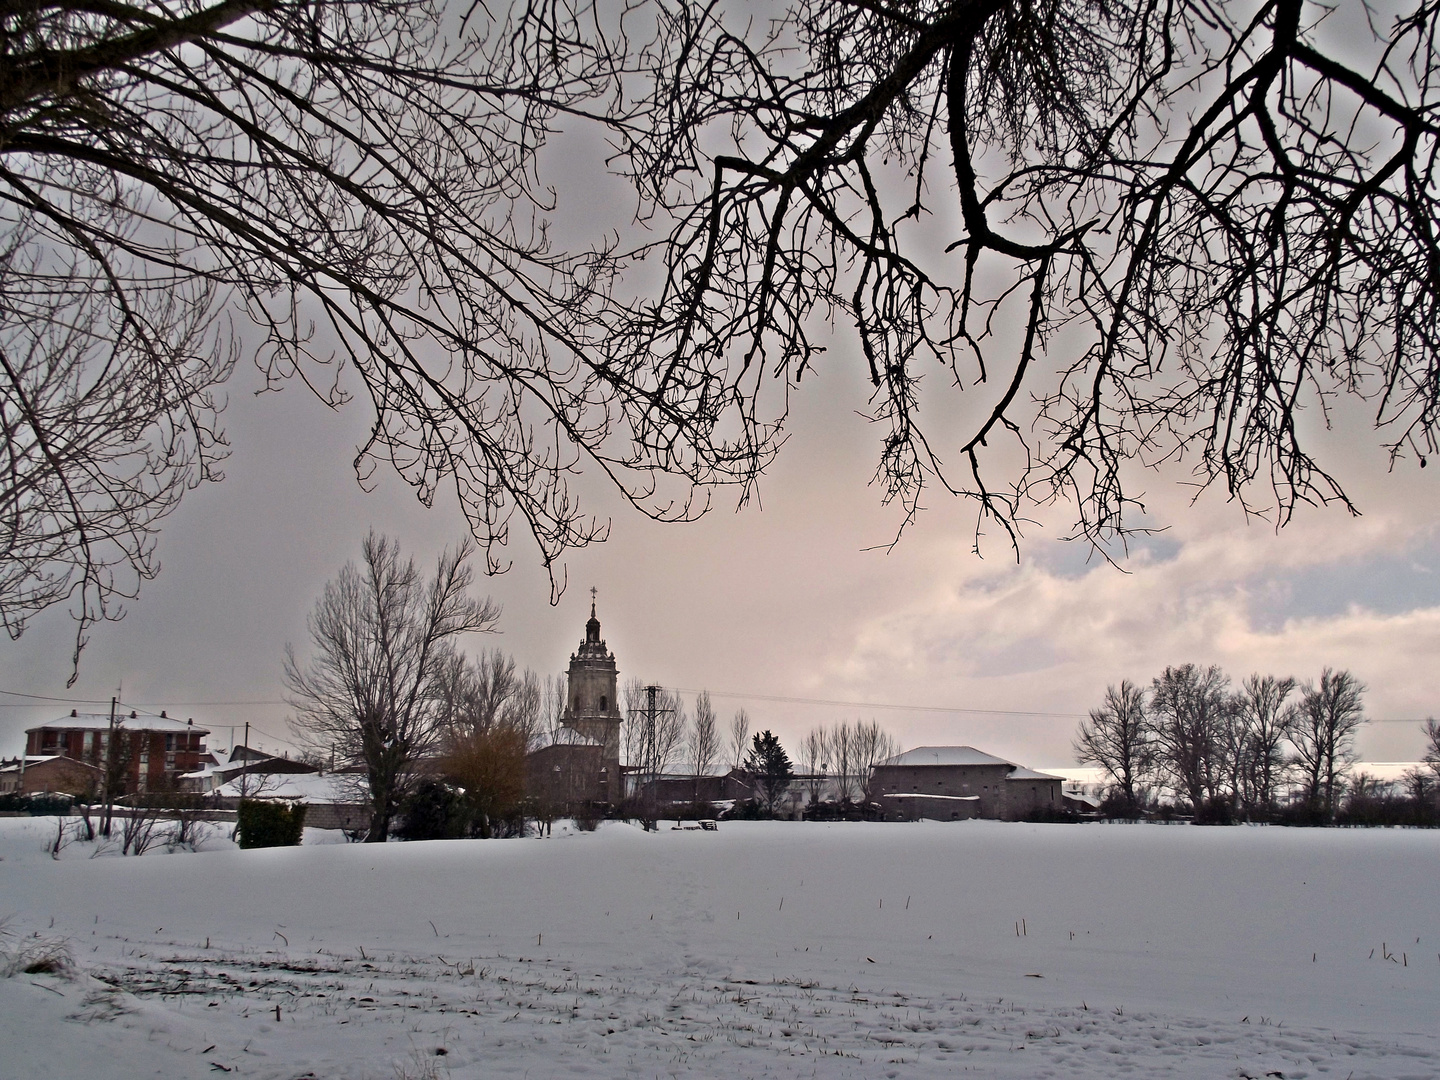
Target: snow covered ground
[{"x": 761, "y": 950}]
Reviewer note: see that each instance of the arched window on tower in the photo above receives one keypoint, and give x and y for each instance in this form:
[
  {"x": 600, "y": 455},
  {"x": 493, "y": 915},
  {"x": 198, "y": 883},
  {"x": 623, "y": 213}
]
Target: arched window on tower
[{"x": 602, "y": 702}]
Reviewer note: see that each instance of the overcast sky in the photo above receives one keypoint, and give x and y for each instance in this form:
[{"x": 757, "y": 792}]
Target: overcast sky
[
  {"x": 783, "y": 601},
  {"x": 788, "y": 606}
]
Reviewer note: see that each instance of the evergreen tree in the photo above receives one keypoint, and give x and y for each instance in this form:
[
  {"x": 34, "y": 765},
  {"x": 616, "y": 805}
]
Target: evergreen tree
[{"x": 768, "y": 763}]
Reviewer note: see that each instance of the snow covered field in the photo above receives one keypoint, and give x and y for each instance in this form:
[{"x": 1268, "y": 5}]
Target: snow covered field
[{"x": 762, "y": 950}]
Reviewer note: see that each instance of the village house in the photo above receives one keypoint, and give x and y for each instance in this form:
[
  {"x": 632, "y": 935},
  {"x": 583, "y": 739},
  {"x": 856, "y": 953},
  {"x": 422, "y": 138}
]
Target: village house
[
  {"x": 48, "y": 775},
  {"x": 721, "y": 784},
  {"x": 150, "y": 752},
  {"x": 243, "y": 760},
  {"x": 953, "y": 783}
]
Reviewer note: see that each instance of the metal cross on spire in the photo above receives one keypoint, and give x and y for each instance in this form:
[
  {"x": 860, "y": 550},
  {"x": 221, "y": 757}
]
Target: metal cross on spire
[{"x": 593, "y": 592}]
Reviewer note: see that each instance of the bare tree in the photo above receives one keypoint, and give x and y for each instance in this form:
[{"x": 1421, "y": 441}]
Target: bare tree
[
  {"x": 704, "y": 740},
  {"x": 1420, "y": 783},
  {"x": 491, "y": 718},
  {"x": 109, "y": 417},
  {"x": 872, "y": 745},
  {"x": 360, "y": 181},
  {"x": 382, "y": 638},
  {"x": 1227, "y": 208},
  {"x": 1188, "y": 705},
  {"x": 1264, "y": 718},
  {"x": 840, "y": 750},
  {"x": 1161, "y": 233},
  {"x": 1323, "y": 734},
  {"x": 1432, "y": 745},
  {"x": 1117, "y": 738},
  {"x": 739, "y": 738},
  {"x": 488, "y": 765},
  {"x": 813, "y": 761}
]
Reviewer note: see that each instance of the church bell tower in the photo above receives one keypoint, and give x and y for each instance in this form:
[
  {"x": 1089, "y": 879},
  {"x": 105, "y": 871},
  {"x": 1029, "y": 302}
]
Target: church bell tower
[{"x": 592, "y": 706}]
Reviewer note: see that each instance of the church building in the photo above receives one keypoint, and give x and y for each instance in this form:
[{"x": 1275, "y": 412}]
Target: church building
[{"x": 582, "y": 764}]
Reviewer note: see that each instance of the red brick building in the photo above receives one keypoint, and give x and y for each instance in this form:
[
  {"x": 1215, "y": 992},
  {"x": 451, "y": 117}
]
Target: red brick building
[
  {"x": 49, "y": 775},
  {"x": 150, "y": 751}
]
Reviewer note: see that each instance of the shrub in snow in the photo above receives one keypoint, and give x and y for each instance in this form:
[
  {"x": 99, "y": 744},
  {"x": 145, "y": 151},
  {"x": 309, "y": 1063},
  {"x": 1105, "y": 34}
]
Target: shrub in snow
[
  {"x": 270, "y": 824},
  {"x": 435, "y": 811}
]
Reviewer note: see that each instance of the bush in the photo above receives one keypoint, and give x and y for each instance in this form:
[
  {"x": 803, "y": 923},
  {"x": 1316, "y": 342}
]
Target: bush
[
  {"x": 270, "y": 824},
  {"x": 1052, "y": 814},
  {"x": 435, "y": 812},
  {"x": 745, "y": 810},
  {"x": 587, "y": 817},
  {"x": 1215, "y": 811},
  {"x": 36, "y": 805},
  {"x": 849, "y": 811},
  {"x": 1388, "y": 810}
]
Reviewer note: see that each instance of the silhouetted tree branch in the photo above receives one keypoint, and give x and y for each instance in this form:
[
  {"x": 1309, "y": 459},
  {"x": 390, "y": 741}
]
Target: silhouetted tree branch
[{"x": 1133, "y": 233}]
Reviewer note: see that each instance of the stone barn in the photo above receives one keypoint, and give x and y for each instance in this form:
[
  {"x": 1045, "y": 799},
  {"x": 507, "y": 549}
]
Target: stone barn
[{"x": 950, "y": 783}]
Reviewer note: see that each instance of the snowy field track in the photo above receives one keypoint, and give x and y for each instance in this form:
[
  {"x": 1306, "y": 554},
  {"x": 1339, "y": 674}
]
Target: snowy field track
[{"x": 762, "y": 950}]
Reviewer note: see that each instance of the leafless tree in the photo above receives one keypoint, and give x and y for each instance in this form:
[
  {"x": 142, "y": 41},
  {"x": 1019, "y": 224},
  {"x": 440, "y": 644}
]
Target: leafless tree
[
  {"x": 108, "y": 416},
  {"x": 739, "y": 738},
  {"x": 1323, "y": 734},
  {"x": 138, "y": 825},
  {"x": 491, "y": 716},
  {"x": 1200, "y": 219},
  {"x": 872, "y": 745},
  {"x": 488, "y": 765},
  {"x": 1173, "y": 228},
  {"x": 704, "y": 743},
  {"x": 1188, "y": 705},
  {"x": 1263, "y": 717},
  {"x": 487, "y": 692},
  {"x": 382, "y": 637},
  {"x": 813, "y": 761},
  {"x": 1117, "y": 738},
  {"x": 1155, "y": 232},
  {"x": 840, "y": 751},
  {"x": 360, "y": 181},
  {"x": 1432, "y": 745}
]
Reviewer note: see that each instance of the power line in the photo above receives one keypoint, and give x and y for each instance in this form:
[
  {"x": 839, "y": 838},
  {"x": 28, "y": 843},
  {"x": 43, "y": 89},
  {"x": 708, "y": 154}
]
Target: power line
[
  {"x": 943, "y": 708},
  {"x": 877, "y": 704},
  {"x": 736, "y": 695},
  {"x": 133, "y": 704}
]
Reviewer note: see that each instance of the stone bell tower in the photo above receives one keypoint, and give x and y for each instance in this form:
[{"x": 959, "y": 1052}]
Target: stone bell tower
[{"x": 592, "y": 706}]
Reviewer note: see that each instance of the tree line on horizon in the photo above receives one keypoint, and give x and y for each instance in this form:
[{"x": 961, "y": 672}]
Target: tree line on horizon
[{"x": 1240, "y": 753}]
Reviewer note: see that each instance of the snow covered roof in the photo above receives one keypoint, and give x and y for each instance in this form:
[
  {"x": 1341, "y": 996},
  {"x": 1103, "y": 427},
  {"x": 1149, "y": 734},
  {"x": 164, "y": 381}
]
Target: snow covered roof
[
  {"x": 927, "y": 795},
  {"x": 78, "y": 721},
  {"x": 1022, "y": 773},
  {"x": 946, "y": 755},
  {"x": 304, "y": 787}
]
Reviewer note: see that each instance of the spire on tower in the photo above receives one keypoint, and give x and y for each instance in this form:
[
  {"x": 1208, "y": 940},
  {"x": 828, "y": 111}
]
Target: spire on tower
[{"x": 592, "y": 628}]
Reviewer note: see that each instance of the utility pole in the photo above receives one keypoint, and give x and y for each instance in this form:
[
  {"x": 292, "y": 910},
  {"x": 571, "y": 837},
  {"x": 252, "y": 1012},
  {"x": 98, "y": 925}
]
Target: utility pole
[
  {"x": 650, "y": 755},
  {"x": 245, "y": 766},
  {"x": 109, "y": 771}
]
